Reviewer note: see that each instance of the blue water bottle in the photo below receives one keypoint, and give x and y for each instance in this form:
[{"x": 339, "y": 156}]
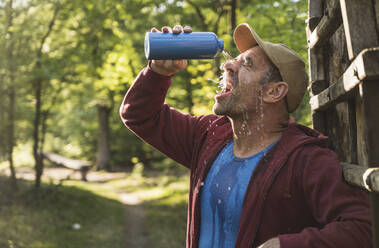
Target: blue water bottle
[{"x": 195, "y": 45}]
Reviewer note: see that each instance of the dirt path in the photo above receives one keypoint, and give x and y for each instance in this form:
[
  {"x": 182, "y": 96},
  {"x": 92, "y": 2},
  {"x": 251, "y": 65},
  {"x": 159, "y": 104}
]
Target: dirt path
[
  {"x": 135, "y": 234},
  {"x": 135, "y": 221}
]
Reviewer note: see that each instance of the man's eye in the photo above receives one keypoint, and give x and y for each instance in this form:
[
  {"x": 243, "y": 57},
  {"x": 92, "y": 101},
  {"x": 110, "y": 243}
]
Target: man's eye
[{"x": 247, "y": 62}]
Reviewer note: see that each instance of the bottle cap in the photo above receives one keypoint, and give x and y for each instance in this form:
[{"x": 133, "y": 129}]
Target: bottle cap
[{"x": 220, "y": 45}]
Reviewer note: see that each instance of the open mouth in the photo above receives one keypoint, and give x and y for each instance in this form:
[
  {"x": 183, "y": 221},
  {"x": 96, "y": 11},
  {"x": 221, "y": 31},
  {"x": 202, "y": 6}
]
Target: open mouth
[{"x": 226, "y": 88}]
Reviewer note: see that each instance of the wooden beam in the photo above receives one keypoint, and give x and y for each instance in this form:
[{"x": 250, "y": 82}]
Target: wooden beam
[
  {"x": 327, "y": 26},
  {"x": 359, "y": 25},
  {"x": 353, "y": 174},
  {"x": 377, "y": 16},
  {"x": 368, "y": 94},
  {"x": 73, "y": 164},
  {"x": 314, "y": 13},
  {"x": 316, "y": 71},
  {"x": 316, "y": 68},
  {"x": 365, "y": 66},
  {"x": 315, "y": 56}
]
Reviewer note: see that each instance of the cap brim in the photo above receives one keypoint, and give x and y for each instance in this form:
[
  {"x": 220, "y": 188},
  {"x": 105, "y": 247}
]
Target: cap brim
[{"x": 245, "y": 37}]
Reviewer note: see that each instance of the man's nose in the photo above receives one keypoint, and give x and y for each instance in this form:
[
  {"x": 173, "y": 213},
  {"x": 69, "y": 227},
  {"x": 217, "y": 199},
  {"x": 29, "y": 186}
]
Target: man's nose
[{"x": 231, "y": 66}]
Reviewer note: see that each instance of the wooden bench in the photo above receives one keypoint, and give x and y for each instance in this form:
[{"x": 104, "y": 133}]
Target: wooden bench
[{"x": 73, "y": 164}]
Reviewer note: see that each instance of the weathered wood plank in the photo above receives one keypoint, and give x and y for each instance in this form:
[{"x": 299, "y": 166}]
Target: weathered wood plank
[
  {"x": 368, "y": 93},
  {"x": 327, "y": 26},
  {"x": 314, "y": 13},
  {"x": 315, "y": 57},
  {"x": 359, "y": 24},
  {"x": 66, "y": 162},
  {"x": 377, "y": 15},
  {"x": 365, "y": 66},
  {"x": 353, "y": 174},
  {"x": 77, "y": 165}
]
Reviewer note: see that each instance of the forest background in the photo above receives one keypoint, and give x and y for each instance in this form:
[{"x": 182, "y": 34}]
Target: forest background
[{"x": 65, "y": 66}]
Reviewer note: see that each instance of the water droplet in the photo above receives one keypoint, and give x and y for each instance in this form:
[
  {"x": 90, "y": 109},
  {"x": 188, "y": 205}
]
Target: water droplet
[
  {"x": 202, "y": 184},
  {"x": 196, "y": 190},
  {"x": 226, "y": 54},
  {"x": 212, "y": 80},
  {"x": 216, "y": 185},
  {"x": 219, "y": 201},
  {"x": 229, "y": 188}
]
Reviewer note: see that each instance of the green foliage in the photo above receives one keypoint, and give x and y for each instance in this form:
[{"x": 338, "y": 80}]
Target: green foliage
[{"x": 95, "y": 50}]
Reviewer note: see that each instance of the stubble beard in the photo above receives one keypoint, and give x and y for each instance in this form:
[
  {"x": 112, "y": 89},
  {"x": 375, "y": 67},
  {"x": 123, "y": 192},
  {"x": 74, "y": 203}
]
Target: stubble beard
[{"x": 225, "y": 106}]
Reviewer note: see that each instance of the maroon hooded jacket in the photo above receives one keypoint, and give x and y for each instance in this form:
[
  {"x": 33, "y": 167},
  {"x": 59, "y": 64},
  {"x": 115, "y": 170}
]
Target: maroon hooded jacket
[{"x": 296, "y": 192}]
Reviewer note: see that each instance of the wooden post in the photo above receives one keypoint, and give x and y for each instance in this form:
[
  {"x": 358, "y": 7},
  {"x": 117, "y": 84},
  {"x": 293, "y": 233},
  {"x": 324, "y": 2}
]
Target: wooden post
[
  {"x": 369, "y": 102},
  {"x": 359, "y": 24},
  {"x": 345, "y": 86},
  {"x": 316, "y": 61},
  {"x": 377, "y": 15},
  {"x": 327, "y": 25}
]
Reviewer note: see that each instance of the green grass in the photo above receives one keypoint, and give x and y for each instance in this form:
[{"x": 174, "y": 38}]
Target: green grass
[
  {"x": 164, "y": 196},
  {"x": 45, "y": 218}
]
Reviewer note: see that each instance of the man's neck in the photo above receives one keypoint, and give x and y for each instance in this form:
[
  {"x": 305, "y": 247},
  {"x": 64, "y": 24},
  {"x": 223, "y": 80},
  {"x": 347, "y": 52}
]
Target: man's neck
[{"x": 252, "y": 135}]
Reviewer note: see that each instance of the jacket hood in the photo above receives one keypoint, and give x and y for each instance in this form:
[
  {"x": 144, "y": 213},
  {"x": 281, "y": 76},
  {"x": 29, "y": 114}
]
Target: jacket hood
[
  {"x": 297, "y": 135},
  {"x": 294, "y": 136}
]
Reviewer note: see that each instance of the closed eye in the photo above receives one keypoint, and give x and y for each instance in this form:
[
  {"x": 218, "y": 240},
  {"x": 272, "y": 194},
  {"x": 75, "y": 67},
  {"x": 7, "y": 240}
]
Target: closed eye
[{"x": 247, "y": 61}]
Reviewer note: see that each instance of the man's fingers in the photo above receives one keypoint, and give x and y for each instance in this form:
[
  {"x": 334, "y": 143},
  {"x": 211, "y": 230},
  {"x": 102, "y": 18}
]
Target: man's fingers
[
  {"x": 154, "y": 29},
  {"x": 187, "y": 29},
  {"x": 179, "y": 64},
  {"x": 177, "y": 29},
  {"x": 166, "y": 29}
]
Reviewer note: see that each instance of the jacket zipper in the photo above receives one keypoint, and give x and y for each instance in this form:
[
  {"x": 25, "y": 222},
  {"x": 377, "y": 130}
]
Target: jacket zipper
[{"x": 264, "y": 198}]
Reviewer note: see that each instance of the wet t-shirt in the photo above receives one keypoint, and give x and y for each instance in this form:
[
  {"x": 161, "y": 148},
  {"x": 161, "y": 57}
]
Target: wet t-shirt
[{"x": 222, "y": 197}]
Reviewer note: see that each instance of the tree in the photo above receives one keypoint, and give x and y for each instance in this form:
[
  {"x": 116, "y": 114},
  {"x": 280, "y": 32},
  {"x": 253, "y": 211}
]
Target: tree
[
  {"x": 38, "y": 84},
  {"x": 10, "y": 65}
]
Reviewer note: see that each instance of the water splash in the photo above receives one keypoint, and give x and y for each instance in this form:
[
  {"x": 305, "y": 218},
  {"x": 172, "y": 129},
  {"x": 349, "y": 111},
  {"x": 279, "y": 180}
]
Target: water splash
[
  {"x": 226, "y": 55},
  {"x": 213, "y": 80}
]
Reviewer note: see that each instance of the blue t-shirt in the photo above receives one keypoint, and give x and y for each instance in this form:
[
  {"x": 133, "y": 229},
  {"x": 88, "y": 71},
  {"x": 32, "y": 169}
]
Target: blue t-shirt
[{"x": 222, "y": 197}]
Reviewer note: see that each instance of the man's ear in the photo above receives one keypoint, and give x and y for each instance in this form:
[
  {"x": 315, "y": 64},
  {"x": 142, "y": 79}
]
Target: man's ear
[{"x": 274, "y": 92}]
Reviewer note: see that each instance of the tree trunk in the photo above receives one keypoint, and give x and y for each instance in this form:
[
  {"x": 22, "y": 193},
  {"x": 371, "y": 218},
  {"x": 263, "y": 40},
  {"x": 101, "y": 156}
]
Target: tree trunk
[
  {"x": 37, "y": 148},
  {"x": 11, "y": 93},
  {"x": 103, "y": 151},
  {"x": 11, "y": 139},
  {"x": 37, "y": 117},
  {"x": 232, "y": 16}
]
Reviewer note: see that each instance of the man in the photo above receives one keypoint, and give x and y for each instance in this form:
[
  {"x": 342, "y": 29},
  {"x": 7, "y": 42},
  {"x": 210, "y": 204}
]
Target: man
[{"x": 257, "y": 178}]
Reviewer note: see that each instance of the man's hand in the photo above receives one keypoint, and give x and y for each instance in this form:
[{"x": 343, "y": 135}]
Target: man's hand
[
  {"x": 271, "y": 243},
  {"x": 170, "y": 67}
]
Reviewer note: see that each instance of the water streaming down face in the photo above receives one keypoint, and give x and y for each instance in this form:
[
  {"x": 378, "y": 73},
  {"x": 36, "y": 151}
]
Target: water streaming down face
[
  {"x": 221, "y": 81},
  {"x": 233, "y": 106}
]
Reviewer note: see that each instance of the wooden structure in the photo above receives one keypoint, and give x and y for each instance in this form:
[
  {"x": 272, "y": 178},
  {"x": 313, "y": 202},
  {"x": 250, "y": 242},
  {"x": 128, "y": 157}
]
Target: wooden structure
[
  {"x": 73, "y": 164},
  {"x": 343, "y": 51}
]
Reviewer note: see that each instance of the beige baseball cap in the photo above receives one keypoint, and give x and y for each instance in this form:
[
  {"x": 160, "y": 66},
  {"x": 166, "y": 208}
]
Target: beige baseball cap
[{"x": 290, "y": 64}]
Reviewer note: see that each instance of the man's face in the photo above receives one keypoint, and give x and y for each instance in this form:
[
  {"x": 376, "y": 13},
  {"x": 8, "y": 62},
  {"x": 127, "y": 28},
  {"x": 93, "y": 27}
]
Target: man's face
[{"x": 241, "y": 88}]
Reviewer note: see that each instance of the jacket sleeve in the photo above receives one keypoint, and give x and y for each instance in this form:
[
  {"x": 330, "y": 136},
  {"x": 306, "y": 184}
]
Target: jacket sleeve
[
  {"x": 144, "y": 112},
  {"x": 342, "y": 210}
]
